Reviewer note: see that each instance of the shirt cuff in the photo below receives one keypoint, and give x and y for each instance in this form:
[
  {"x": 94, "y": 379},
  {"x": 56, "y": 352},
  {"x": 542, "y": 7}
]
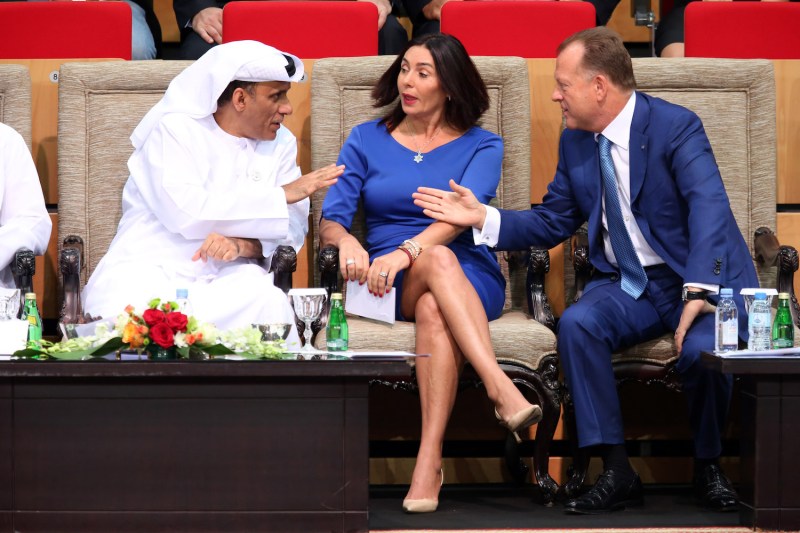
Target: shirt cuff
[
  {"x": 490, "y": 233},
  {"x": 713, "y": 289}
]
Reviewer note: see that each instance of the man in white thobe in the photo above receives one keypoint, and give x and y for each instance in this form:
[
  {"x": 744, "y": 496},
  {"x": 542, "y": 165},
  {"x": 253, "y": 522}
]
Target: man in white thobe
[
  {"x": 214, "y": 188},
  {"x": 24, "y": 222}
]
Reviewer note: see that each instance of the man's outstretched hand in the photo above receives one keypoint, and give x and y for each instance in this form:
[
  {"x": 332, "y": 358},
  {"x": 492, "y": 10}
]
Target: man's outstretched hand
[
  {"x": 459, "y": 207},
  {"x": 306, "y": 185}
]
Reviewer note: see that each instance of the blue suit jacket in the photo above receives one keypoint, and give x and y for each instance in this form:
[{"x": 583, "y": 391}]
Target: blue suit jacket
[{"x": 677, "y": 198}]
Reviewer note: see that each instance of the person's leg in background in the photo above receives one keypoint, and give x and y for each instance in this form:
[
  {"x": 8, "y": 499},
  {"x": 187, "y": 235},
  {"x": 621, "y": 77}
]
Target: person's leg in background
[
  {"x": 669, "y": 32},
  {"x": 143, "y": 44}
]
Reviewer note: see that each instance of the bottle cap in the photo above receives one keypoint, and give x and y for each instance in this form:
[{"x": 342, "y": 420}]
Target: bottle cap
[
  {"x": 30, "y": 295},
  {"x": 761, "y": 296},
  {"x": 726, "y": 292},
  {"x": 783, "y": 295},
  {"x": 336, "y": 296},
  {"x": 182, "y": 293}
]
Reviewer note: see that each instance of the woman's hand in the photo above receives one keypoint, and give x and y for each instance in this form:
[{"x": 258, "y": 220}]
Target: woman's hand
[
  {"x": 384, "y": 269},
  {"x": 353, "y": 259}
]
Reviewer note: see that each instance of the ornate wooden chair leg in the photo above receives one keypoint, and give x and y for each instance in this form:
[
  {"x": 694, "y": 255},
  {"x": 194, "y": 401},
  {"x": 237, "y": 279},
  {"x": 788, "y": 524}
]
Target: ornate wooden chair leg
[
  {"x": 516, "y": 466},
  {"x": 551, "y": 412}
]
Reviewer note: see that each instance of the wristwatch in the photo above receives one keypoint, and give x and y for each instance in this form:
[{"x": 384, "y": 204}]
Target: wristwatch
[{"x": 694, "y": 295}]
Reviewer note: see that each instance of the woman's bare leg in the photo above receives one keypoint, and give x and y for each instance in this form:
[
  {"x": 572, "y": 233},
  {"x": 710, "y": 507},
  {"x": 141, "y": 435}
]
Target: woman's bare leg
[
  {"x": 437, "y": 377},
  {"x": 438, "y": 272}
]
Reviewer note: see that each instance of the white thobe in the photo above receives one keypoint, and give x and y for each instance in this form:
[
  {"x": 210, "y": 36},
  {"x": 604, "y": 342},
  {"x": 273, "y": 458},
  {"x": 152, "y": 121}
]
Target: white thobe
[
  {"x": 24, "y": 222},
  {"x": 189, "y": 179}
]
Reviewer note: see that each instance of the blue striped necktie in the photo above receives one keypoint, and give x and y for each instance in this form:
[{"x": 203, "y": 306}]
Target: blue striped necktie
[{"x": 634, "y": 278}]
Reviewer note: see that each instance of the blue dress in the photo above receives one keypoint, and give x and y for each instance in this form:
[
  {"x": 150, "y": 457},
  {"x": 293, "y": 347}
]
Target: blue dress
[{"x": 382, "y": 174}]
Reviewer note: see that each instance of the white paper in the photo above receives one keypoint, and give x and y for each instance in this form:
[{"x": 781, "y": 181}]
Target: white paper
[
  {"x": 360, "y": 302},
  {"x": 778, "y": 352},
  {"x": 13, "y": 335}
]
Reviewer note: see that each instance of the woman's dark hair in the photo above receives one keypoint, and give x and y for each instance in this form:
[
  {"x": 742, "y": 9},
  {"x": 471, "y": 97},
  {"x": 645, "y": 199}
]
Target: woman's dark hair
[{"x": 467, "y": 98}]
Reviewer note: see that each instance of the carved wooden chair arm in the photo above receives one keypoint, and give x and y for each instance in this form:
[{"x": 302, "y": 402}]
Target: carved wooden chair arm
[
  {"x": 70, "y": 263},
  {"x": 284, "y": 263},
  {"x": 23, "y": 268},
  {"x": 329, "y": 268},
  {"x": 770, "y": 253},
  {"x": 579, "y": 246},
  {"x": 536, "y": 261}
]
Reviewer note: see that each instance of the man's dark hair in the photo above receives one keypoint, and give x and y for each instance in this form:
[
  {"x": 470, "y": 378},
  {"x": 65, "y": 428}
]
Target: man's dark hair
[
  {"x": 467, "y": 98},
  {"x": 227, "y": 94},
  {"x": 604, "y": 53}
]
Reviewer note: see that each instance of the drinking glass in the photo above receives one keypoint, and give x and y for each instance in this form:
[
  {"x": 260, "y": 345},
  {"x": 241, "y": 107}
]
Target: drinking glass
[
  {"x": 9, "y": 303},
  {"x": 308, "y": 304}
]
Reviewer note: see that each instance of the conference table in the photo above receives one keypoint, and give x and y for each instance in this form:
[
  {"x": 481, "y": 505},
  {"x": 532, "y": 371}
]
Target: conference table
[
  {"x": 214, "y": 445},
  {"x": 770, "y": 436}
]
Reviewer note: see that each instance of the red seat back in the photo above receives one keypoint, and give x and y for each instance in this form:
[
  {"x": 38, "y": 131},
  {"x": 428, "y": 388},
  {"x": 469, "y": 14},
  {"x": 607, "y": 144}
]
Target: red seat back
[
  {"x": 524, "y": 28},
  {"x": 307, "y": 29},
  {"x": 65, "y": 30},
  {"x": 742, "y": 30}
]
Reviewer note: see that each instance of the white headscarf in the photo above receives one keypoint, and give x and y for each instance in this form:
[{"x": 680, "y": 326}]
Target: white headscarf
[{"x": 195, "y": 90}]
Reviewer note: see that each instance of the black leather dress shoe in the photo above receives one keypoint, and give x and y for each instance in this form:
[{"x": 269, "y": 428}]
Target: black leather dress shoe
[
  {"x": 611, "y": 492},
  {"x": 714, "y": 490}
]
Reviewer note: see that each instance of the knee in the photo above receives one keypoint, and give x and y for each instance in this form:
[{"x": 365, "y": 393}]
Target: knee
[
  {"x": 439, "y": 259},
  {"x": 574, "y": 321},
  {"x": 689, "y": 360},
  {"x": 427, "y": 312}
]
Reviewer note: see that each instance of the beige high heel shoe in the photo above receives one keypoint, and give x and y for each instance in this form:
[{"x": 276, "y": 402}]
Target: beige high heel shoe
[
  {"x": 522, "y": 419},
  {"x": 424, "y": 505}
]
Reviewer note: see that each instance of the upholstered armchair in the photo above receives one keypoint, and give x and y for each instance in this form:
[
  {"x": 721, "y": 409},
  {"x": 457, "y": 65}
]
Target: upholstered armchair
[
  {"x": 736, "y": 101},
  {"x": 15, "y": 111},
  {"x": 522, "y": 337},
  {"x": 100, "y": 104}
]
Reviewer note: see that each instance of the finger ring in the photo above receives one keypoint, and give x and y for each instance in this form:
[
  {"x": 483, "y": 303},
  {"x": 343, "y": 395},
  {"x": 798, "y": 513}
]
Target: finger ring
[
  {"x": 350, "y": 261},
  {"x": 383, "y": 274}
]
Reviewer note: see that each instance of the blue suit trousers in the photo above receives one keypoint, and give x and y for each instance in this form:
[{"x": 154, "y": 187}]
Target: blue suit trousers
[{"x": 606, "y": 320}]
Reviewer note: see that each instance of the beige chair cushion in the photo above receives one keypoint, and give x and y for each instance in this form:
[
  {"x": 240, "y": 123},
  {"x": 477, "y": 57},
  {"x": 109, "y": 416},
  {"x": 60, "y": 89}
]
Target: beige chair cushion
[
  {"x": 515, "y": 338},
  {"x": 15, "y": 99},
  {"x": 99, "y": 106},
  {"x": 341, "y": 99},
  {"x": 735, "y": 99}
]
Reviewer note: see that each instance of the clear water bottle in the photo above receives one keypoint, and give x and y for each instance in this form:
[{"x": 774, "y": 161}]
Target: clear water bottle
[
  {"x": 782, "y": 326},
  {"x": 759, "y": 324},
  {"x": 337, "y": 332},
  {"x": 182, "y": 299},
  {"x": 726, "y": 323}
]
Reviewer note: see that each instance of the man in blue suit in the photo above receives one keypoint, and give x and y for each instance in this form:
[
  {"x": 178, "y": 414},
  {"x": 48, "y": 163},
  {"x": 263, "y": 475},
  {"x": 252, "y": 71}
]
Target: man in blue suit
[{"x": 662, "y": 239}]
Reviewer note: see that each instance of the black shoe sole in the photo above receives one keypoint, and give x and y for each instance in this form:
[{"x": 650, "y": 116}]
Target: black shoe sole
[{"x": 621, "y": 506}]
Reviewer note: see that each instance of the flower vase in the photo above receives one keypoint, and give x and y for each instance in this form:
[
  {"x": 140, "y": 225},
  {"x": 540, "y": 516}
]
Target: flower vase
[{"x": 157, "y": 353}]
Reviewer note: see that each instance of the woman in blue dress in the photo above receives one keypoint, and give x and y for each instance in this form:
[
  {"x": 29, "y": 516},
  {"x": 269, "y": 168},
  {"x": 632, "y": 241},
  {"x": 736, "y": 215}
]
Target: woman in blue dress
[{"x": 446, "y": 284}]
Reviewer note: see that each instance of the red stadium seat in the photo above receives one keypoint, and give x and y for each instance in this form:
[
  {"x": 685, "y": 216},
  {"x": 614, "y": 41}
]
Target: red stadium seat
[
  {"x": 524, "y": 28},
  {"x": 309, "y": 30},
  {"x": 742, "y": 30},
  {"x": 65, "y": 30}
]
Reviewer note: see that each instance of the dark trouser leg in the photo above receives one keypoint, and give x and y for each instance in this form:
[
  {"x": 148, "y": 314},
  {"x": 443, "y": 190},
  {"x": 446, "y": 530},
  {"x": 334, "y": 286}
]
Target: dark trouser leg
[
  {"x": 193, "y": 46},
  {"x": 392, "y": 37},
  {"x": 604, "y": 320},
  {"x": 708, "y": 392}
]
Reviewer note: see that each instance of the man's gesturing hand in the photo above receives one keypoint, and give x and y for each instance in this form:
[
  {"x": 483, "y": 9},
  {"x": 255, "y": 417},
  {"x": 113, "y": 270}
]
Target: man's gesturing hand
[
  {"x": 459, "y": 207},
  {"x": 305, "y": 186}
]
